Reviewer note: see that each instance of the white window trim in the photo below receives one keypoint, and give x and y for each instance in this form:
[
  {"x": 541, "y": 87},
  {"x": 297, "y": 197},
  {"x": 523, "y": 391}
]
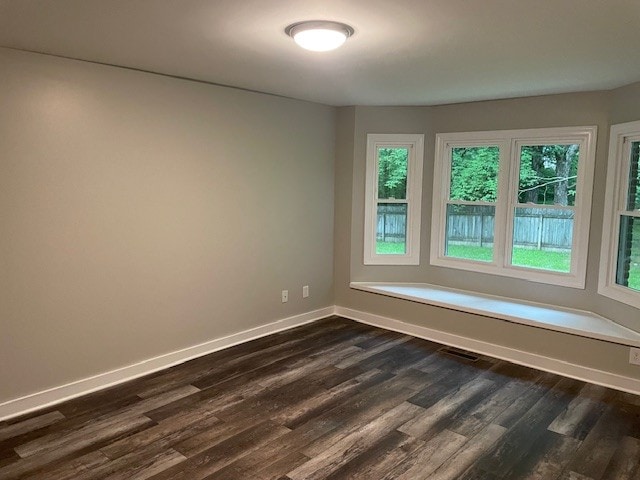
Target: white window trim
[
  {"x": 415, "y": 144},
  {"x": 615, "y": 193},
  {"x": 508, "y": 179}
]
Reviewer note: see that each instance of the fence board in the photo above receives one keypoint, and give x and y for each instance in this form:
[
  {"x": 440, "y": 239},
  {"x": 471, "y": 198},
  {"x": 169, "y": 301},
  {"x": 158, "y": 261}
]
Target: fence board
[{"x": 533, "y": 227}]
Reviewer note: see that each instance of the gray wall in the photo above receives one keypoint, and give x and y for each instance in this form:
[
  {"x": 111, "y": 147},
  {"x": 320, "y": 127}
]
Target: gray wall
[
  {"x": 626, "y": 104},
  {"x": 546, "y": 111},
  {"x": 142, "y": 214}
]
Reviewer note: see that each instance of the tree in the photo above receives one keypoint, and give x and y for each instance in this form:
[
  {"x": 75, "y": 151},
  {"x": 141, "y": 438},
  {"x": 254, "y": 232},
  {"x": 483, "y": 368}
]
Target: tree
[
  {"x": 392, "y": 172},
  {"x": 548, "y": 174},
  {"x": 474, "y": 174},
  {"x": 633, "y": 201},
  {"x": 531, "y": 169}
]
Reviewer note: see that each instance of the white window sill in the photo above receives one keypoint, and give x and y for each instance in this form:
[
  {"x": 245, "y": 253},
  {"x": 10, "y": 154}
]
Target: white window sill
[{"x": 575, "y": 322}]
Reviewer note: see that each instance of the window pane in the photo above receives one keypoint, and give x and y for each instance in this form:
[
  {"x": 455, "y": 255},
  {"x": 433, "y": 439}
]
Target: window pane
[
  {"x": 391, "y": 233},
  {"x": 548, "y": 174},
  {"x": 392, "y": 173},
  {"x": 474, "y": 174},
  {"x": 542, "y": 238},
  {"x": 628, "y": 271},
  {"x": 470, "y": 232},
  {"x": 633, "y": 195}
]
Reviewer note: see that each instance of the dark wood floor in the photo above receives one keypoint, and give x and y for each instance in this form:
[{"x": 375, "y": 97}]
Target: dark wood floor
[{"x": 333, "y": 400}]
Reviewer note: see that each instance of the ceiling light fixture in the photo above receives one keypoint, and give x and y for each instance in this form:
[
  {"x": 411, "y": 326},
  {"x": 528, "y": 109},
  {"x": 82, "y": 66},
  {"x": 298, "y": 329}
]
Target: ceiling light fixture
[{"x": 319, "y": 35}]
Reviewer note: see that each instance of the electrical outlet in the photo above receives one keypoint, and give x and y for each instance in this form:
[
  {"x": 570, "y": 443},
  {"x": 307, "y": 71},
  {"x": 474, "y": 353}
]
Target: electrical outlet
[
  {"x": 305, "y": 291},
  {"x": 634, "y": 356},
  {"x": 285, "y": 296}
]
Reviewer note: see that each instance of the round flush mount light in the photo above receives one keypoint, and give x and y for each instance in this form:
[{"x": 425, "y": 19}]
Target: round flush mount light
[{"x": 319, "y": 35}]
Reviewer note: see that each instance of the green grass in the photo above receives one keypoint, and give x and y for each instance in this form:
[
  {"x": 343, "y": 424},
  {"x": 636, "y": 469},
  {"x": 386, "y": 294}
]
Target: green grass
[
  {"x": 634, "y": 277},
  {"x": 481, "y": 254},
  {"x": 390, "y": 248},
  {"x": 522, "y": 257},
  {"x": 634, "y": 268},
  {"x": 558, "y": 261}
]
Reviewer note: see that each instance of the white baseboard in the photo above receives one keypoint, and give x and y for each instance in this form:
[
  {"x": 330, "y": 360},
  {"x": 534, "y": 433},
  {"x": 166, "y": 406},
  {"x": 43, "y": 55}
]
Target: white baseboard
[
  {"x": 52, "y": 396},
  {"x": 527, "y": 359}
]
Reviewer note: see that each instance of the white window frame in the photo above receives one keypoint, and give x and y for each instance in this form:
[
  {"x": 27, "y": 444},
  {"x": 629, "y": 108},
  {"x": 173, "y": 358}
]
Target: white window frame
[
  {"x": 620, "y": 139},
  {"x": 508, "y": 142},
  {"x": 415, "y": 145}
]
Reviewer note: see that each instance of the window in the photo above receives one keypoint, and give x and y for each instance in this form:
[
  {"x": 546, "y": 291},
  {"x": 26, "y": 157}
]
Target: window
[
  {"x": 393, "y": 197},
  {"x": 620, "y": 270},
  {"x": 514, "y": 203}
]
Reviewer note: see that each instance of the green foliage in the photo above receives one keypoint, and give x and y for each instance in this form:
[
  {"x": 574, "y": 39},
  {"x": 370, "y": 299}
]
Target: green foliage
[
  {"x": 392, "y": 172},
  {"x": 631, "y": 246},
  {"x": 633, "y": 201},
  {"x": 548, "y": 174},
  {"x": 474, "y": 174}
]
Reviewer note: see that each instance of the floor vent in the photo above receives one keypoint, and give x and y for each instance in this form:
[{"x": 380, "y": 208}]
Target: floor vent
[{"x": 456, "y": 352}]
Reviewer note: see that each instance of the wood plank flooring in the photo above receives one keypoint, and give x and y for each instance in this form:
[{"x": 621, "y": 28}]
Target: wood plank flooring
[{"x": 333, "y": 400}]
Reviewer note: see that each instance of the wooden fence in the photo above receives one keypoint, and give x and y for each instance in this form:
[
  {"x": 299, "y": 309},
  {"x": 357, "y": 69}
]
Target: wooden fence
[
  {"x": 538, "y": 228},
  {"x": 392, "y": 223},
  {"x": 543, "y": 229}
]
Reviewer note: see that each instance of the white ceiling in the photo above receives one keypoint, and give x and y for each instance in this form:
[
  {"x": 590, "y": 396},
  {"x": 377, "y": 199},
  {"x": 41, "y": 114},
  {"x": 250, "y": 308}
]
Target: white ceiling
[{"x": 404, "y": 52}]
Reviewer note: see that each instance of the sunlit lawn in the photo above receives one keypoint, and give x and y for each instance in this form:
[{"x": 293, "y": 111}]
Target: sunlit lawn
[
  {"x": 387, "y": 248},
  {"x": 558, "y": 261},
  {"x": 634, "y": 268},
  {"x": 634, "y": 277},
  {"x": 524, "y": 257}
]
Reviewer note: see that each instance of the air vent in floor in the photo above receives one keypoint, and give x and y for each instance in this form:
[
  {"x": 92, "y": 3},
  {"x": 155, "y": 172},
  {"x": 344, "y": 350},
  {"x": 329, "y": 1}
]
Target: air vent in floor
[{"x": 456, "y": 352}]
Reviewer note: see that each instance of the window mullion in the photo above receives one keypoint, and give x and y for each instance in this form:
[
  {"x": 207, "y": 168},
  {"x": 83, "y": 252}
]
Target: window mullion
[{"x": 504, "y": 210}]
